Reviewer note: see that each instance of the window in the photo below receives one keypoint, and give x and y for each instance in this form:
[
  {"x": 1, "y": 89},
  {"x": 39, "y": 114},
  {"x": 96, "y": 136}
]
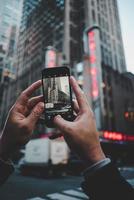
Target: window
[{"x": 93, "y": 16}]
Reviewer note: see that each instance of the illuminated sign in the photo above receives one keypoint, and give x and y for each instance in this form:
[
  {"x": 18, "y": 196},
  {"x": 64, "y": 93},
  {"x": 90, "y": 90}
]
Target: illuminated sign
[
  {"x": 92, "y": 61},
  {"x": 118, "y": 136},
  {"x": 50, "y": 58}
]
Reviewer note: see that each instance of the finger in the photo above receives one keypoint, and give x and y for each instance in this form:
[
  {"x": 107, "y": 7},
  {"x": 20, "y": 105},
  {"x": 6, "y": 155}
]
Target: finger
[
  {"x": 29, "y": 91},
  {"x": 26, "y": 94},
  {"x": 63, "y": 125},
  {"x": 81, "y": 98},
  {"x": 35, "y": 114},
  {"x": 34, "y": 100},
  {"x": 76, "y": 106}
]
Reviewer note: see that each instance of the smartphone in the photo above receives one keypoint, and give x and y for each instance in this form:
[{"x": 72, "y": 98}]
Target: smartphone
[{"x": 57, "y": 94}]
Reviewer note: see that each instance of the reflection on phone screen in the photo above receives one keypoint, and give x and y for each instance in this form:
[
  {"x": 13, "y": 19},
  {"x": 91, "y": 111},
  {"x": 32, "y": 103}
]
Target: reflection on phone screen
[{"x": 57, "y": 94}]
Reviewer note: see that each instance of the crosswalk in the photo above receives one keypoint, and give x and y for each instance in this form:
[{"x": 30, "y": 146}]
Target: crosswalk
[
  {"x": 131, "y": 181},
  {"x": 72, "y": 194}
]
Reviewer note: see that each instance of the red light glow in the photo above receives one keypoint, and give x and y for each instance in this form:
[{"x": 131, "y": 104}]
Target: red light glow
[
  {"x": 117, "y": 136},
  {"x": 91, "y": 34},
  {"x": 92, "y": 59},
  {"x": 126, "y": 114},
  {"x": 92, "y": 46},
  {"x": 113, "y": 136},
  {"x": 95, "y": 93},
  {"x": 95, "y": 89},
  {"x": 52, "y": 59},
  {"x": 51, "y": 54},
  {"x": 93, "y": 71},
  {"x": 130, "y": 137}
]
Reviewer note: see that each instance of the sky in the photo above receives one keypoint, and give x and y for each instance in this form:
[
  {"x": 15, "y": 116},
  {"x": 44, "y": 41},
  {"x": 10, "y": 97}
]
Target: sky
[{"x": 126, "y": 11}]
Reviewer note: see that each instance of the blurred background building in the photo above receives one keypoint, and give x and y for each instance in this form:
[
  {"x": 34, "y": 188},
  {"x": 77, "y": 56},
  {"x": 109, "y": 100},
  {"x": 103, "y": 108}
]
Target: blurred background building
[
  {"x": 10, "y": 15},
  {"x": 59, "y": 32}
]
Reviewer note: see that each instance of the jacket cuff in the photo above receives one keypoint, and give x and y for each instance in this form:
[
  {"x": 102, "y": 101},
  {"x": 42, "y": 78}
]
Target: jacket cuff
[
  {"x": 92, "y": 169},
  {"x": 6, "y": 169},
  {"x": 107, "y": 181}
]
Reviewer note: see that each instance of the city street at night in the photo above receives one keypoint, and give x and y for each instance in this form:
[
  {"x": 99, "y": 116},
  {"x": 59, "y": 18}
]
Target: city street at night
[{"x": 63, "y": 188}]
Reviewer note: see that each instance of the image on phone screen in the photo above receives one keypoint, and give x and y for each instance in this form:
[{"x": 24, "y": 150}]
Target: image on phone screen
[{"x": 57, "y": 94}]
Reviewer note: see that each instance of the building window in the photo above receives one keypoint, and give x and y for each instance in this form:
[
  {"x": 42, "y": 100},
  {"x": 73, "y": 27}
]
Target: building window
[{"x": 93, "y": 16}]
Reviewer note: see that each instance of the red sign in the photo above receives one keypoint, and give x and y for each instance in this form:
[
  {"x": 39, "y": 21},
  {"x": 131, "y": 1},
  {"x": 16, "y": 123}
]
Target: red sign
[
  {"x": 118, "y": 136},
  {"x": 50, "y": 58},
  {"x": 92, "y": 60}
]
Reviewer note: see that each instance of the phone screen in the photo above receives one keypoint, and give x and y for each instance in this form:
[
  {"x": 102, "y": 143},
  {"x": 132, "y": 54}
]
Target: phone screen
[{"x": 57, "y": 95}]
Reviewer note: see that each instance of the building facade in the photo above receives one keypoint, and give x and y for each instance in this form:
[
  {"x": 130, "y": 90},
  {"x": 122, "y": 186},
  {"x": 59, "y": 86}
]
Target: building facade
[
  {"x": 106, "y": 15},
  {"x": 56, "y": 23},
  {"x": 61, "y": 24},
  {"x": 10, "y": 14},
  {"x": 118, "y": 101}
]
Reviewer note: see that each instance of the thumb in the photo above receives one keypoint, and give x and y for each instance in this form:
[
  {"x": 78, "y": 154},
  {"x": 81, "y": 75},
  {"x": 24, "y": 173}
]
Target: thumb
[
  {"x": 36, "y": 113},
  {"x": 62, "y": 124}
]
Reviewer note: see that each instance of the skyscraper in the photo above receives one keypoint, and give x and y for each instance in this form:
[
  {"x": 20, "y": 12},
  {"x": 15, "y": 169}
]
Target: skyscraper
[
  {"x": 106, "y": 15},
  {"x": 10, "y": 14},
  {"x": 55, "y": 23},
  {"x": 61, "y": 24}
]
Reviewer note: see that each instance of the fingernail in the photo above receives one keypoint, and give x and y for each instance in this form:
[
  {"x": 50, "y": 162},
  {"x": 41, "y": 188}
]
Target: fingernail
[
  {"x": 42, "y": 105},
  {"x": 73, "y": 78},
  {"x": 58, "y": 116}
]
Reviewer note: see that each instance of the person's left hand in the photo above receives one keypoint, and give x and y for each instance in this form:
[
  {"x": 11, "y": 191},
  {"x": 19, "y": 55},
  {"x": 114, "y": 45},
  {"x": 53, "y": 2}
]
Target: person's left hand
[{"x": 21, "y": 121}]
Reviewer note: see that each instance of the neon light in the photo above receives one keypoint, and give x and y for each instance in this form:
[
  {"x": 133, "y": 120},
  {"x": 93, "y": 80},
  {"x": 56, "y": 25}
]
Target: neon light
[
  {"x": 113, "y": 136},
  {"x": 51, "y": 54},
  {"x": 91, "y": 34},
  {"x": 126, "y": 114},
  {"x": 95, "y": 89},
  {"x": 92, "y": 59},
  {"x": 117, "y": 136},
  {"x": 130, "y": 138},
  {"x": 51, "y": 59},
  {"x": 95, "y": 93},
  {"x": 93, "y": 71},
  {"x": 92, "y": 45}
]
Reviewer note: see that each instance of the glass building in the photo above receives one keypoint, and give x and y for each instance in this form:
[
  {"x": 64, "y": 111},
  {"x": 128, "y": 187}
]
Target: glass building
[
  {"x": 57, "y": 23},
  {"x": 10, "y": 14},
  {"x": 61, "y": 24}
]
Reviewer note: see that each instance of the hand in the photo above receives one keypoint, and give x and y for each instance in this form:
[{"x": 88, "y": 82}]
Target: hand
[
  {"x": 21, "y": 121},
  {"x": 81, "y": 134}
]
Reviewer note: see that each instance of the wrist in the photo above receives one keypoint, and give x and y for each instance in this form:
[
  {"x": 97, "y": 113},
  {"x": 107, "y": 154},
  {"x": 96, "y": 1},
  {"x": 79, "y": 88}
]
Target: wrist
[{"x": 94, "y": 155}]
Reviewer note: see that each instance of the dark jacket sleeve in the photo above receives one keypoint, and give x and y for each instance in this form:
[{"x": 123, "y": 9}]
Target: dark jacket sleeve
[
  {"x": 5, "y": 171},
  {"x": 107, "y": 184}
]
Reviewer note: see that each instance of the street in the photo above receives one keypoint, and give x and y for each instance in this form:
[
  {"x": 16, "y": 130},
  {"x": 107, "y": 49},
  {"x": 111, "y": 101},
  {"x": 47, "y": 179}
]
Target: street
[{"x": 63, "y": 188}]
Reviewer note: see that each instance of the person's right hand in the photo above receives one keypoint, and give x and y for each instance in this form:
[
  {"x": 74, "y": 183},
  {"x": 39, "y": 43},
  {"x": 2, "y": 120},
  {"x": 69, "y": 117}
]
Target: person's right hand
[{"x": 81, "y": 134}]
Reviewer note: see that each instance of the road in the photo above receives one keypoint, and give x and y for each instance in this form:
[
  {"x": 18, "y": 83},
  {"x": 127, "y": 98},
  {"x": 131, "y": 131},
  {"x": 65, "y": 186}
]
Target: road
[{"x": 64, "y": 188}]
